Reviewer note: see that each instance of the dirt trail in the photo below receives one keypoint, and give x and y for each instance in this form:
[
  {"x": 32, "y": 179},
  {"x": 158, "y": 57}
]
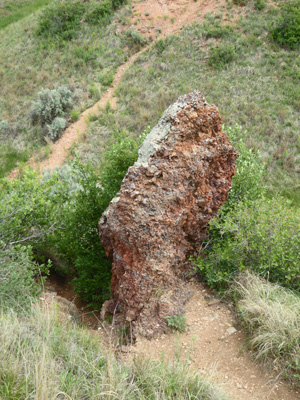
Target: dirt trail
[
  {"x": 212, "y": 340},
  {"x": 152, "y": 18},
  {"x": 213, "y": 343}
]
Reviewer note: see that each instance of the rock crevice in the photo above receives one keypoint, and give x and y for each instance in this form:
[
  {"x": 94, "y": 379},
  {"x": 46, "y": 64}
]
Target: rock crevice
[{"x": 159, "y": 217}]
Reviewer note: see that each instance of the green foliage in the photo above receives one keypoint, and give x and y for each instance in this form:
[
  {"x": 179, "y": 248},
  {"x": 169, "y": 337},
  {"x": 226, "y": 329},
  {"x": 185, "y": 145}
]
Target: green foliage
[
  {"x": 135, "y": 39},
  {"x": 29, "y": 212},
  {"x": 61, "y": 20},
  {"x": 74, "y": 115},
  {"x": 216, "y": 30},
  {"x": 259, "y": 5},
  {"x": 286, "y": 30},
  {"x": 221, "y": 55},
  {"x": 252, "y": 231},
  {"x": 79, "y": 241},
  {"x": 99, "y": 13},
  {"x": 19, "y": 277},
  {"x": 262, "y": 236},
  {"x": 248, "y": 181},
  {"x": 29, "y": 209},
  {"x": 177, "y": 322},
  {"x": 49, "y": 110}
]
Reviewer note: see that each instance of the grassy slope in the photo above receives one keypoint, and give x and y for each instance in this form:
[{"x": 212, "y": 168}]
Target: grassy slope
[
  {"x": 86, "y": 65},
  {"x": 257, "y": 90},
  {"x": 41, "y": 357},
  {"x": 13, "y": 11}
]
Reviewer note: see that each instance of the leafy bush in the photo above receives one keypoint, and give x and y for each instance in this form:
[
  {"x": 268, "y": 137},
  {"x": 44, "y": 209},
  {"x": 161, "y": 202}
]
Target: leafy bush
[
  {"x": 19, "y": 277},
  {"x": 287, "y": 27},
  {"x": 177, "y": 322},
  {"x": 79, "y": 241},
  {"x": 247, "y": 187},
  {"x": 271, "y": 314},
  {"x": 30, "y": 211},
  {"x": 99, "y": 12},
  {"x": 252, "y": 232},
  {"x": 263, "y": 236},
  {"x": 61, "y": 20},
  {"x": 216, "y": 30},
  {"x": 221, "y": 55}
]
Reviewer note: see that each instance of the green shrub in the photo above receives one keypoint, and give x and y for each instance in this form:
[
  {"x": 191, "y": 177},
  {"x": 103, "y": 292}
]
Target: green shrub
[
  {"x": 286, "y": 30},
  {"x": 99, "y": 13},
  {"x": 75, "y": 115},
  {"x": 177, "y": 322},
  {"x": 118, "y": 3},
  {"x": 259, "y": 4},
  {"x": 221, "y": 55},
  {"x": 216, "y": 30},
  {"x": 262, "y": 236},
  {"x": 247, "y": 187},
  {"x": 79, "y": 241},
  {"x": 61, "y": 20},
  {"x": 19, "y": 277}
]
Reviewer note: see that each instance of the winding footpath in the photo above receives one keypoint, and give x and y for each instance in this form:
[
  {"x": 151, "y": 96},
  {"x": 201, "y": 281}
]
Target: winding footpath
[{"x": 212, "y": 341}]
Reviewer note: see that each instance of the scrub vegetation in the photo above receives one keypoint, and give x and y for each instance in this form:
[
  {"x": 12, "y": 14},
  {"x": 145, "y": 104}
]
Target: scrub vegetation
[{"x": 56, "y": 59}]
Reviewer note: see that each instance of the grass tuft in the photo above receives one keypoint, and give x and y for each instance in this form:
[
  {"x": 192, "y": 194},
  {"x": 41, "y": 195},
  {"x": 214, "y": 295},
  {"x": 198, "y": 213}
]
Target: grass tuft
[{"x": 271, "y": 314}]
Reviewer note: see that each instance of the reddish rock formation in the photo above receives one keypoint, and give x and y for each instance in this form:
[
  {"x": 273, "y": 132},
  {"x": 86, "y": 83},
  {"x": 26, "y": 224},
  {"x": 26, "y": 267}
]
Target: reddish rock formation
[{"x": 160, "y": 215}]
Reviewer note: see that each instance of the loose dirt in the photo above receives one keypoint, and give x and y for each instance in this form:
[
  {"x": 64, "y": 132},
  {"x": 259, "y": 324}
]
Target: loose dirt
[
  {"x": 213, "y": 341},
  {"x": 213, "y": 344}
]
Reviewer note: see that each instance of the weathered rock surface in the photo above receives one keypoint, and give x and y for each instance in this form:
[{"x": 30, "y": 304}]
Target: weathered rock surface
[{"x": 160, "y": 215}]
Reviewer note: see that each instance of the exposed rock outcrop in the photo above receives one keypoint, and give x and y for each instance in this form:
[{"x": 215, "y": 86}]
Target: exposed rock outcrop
[{"x": 160, "y": 215}]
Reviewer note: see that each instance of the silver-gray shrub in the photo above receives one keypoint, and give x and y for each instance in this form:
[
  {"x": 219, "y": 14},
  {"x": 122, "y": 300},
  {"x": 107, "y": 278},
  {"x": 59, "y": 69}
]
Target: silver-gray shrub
[
  {"x": 50, "y": 108},
  {"x": 54, "y": 130}
]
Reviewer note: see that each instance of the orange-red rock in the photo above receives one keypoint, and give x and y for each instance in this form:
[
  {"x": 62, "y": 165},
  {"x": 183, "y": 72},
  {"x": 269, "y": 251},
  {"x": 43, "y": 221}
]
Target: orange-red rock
[{"x": 160, "y": 215}]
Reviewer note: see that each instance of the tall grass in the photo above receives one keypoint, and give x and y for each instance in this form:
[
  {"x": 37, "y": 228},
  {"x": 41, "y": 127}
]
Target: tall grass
[
  {"x": 271, "y": 314},
  {"x": 42, "y": 359}
]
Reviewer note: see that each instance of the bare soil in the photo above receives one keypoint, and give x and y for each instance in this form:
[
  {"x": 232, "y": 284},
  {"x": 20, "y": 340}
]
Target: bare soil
[{"x": 213, "y": 344}]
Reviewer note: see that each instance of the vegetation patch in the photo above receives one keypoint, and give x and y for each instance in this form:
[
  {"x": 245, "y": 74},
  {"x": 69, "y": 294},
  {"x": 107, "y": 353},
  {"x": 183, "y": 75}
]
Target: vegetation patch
[
  {"x": 41, "y": 356},
  {"x": 286, "y": 29},
  {"x": 271, "y": 315},
  {"x": 177, "y": 322},
  {"x": 30, "y": 64}
]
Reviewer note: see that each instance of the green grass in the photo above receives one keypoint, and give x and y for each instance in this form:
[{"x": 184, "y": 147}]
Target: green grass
[
  {"x": 44, "y": 357},
  {"x": 13, "y": 11},
  {"x": 258, "y": 88},
  {"x": 28, "y": 63},
  {"x": 271, "y": 314}
]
